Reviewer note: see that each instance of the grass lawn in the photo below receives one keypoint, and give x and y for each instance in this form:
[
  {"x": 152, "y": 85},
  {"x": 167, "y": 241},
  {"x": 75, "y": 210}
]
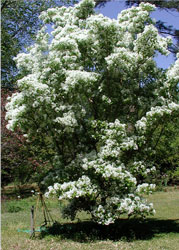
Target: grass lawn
[{"x": 156, "y": 232}]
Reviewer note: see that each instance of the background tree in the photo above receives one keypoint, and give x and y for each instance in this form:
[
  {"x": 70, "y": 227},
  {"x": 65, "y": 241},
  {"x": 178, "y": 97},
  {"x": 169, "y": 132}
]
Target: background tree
[
  {"x": 20, "y": 162},
  {"x": 95, "y": 97}
]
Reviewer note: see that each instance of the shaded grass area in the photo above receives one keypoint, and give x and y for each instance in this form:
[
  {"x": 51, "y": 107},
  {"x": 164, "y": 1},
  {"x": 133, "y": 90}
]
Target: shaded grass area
[
  {"x": 124, "y": 229},
  {"x": 158, "y": 232}
]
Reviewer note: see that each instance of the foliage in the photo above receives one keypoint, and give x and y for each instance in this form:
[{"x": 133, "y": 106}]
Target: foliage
[
  {"x": 19, "y": 25},
  {"x": 93, "y": 96},
  {"x": 166, "y": 156},
  {"x": 167, "y": 159},
  {"x": 14, "y": 209}
]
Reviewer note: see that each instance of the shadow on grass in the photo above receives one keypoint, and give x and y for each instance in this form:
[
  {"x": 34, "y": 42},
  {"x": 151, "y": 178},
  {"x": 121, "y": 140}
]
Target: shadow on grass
[{"x": 126, "y": 230}]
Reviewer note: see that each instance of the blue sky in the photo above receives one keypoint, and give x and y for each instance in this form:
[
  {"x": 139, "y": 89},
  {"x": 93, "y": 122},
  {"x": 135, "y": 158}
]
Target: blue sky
[{"x": 111, "y": 9}]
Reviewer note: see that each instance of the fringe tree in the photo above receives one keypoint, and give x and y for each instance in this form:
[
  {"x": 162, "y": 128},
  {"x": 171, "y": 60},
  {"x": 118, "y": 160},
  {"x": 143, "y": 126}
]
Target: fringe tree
[{"x": 92, "y": 92}]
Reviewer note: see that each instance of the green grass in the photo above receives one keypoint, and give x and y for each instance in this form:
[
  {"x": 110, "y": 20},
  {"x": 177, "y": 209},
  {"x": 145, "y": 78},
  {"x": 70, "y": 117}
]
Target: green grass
[{"x": 158, "y": 232}]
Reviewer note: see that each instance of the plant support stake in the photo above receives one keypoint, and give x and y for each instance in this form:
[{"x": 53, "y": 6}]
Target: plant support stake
[{"x": 32, "y": 223}]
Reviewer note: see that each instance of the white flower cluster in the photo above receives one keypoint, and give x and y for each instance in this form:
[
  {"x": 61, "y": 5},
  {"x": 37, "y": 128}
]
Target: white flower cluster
[
  {"x": 15, "y": 110},
  {"x": 154, "y": 114},
  {"x": 142, "y": 168},
  {"x": 145, "y": 188},
  {"x": 134, "y": 20},
  {"x": 130, "y": 205},
  {"x": 141, "y": 124},
  {"x": 69, "y": 190},
  {"x": 110, "y": 171},
  {"x": 134, "y": 205},
  {"x": 103, "y": 215},
  {"x": 173, "y": 72},
  {"x": 68, "y": 120},
  {"x": 121, "y": 61},
  {"x": 80, "y": 79}
]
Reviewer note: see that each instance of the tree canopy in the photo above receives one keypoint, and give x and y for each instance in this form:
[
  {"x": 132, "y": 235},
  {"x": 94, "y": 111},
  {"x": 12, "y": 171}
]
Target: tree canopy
[
  {"x": 93, "y": 94},
  {"x": 20, "y": 22}
]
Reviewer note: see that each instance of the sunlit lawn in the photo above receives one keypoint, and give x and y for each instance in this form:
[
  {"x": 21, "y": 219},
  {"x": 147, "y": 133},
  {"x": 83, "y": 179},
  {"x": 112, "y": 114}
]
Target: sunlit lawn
[{"x": 158, "y": 232}]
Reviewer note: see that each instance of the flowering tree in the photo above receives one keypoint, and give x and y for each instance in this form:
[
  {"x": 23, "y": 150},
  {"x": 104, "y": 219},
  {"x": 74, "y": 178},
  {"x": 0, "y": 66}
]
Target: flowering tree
[{"x": 94, "y": 95}]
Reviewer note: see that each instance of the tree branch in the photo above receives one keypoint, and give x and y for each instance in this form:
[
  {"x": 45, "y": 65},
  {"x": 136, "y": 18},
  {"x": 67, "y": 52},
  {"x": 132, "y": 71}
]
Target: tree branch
[{"x": 4, "y": 5}]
